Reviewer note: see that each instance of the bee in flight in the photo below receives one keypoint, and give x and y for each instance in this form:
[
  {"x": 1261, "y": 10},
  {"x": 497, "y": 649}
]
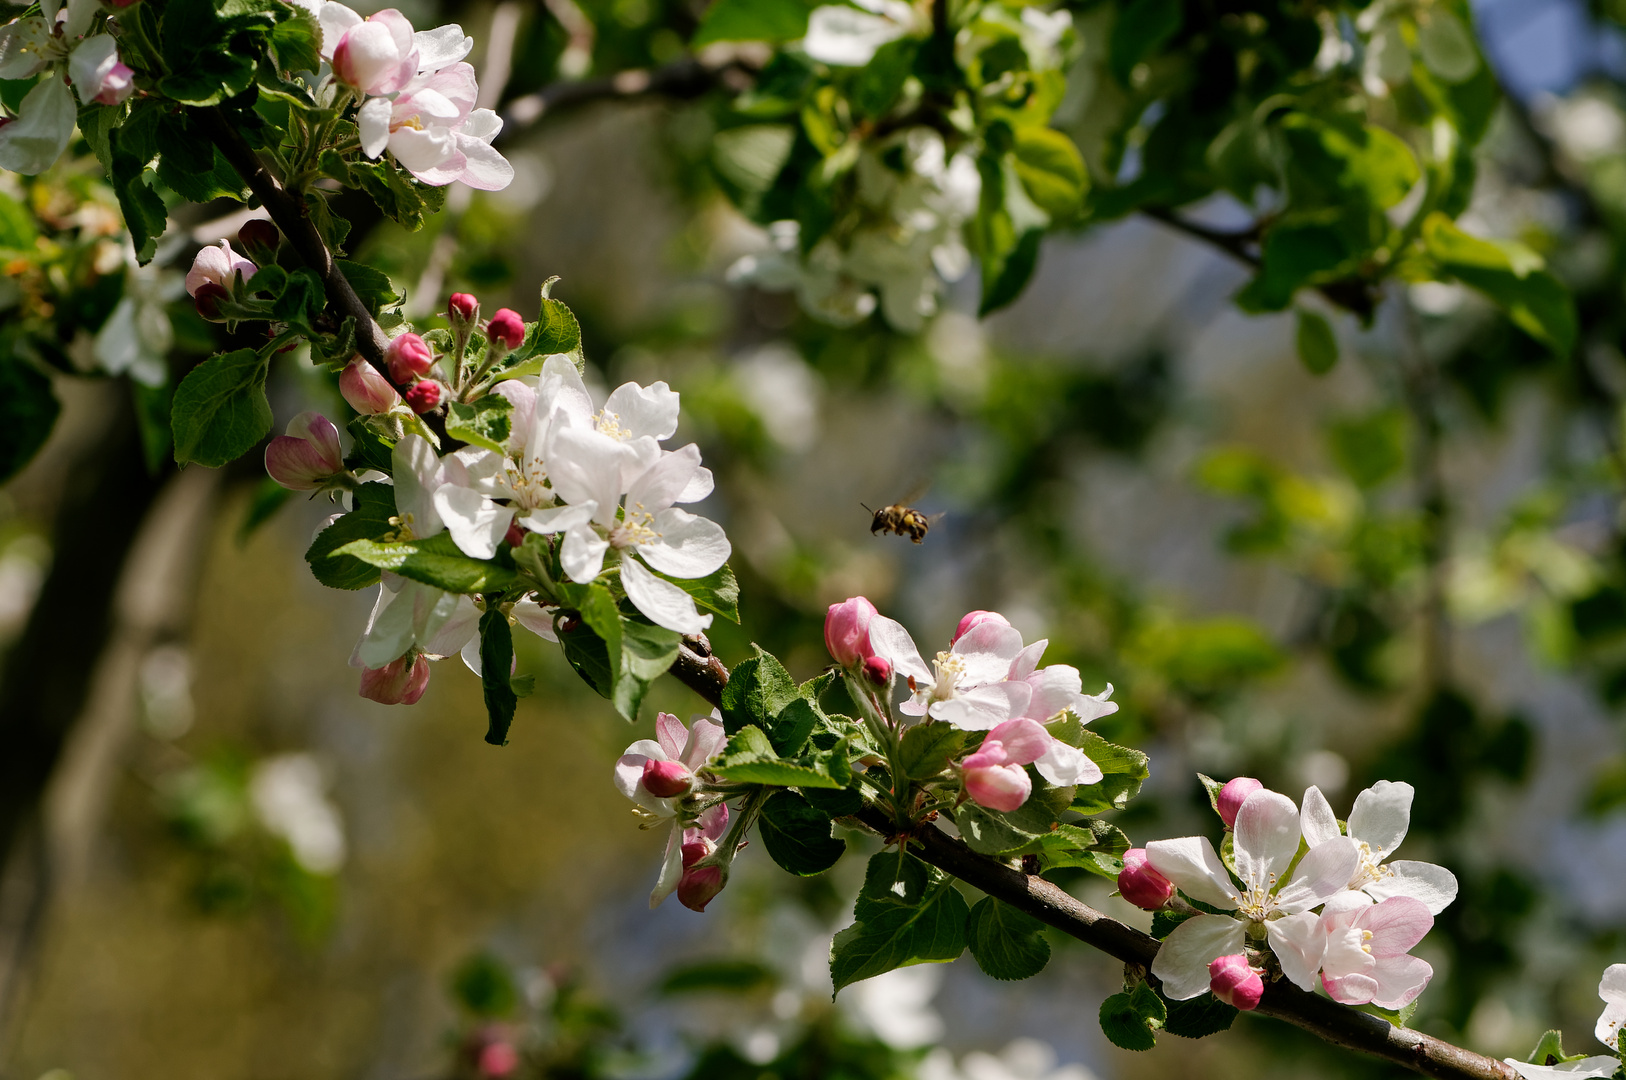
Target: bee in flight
[{"x": 901, "y": 520}]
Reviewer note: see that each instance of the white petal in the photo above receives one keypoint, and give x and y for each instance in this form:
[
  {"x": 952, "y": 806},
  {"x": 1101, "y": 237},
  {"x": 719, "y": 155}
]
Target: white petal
[
  {"x": 1190, "y": 862},
  {"x": 1612, "y": 989},
  {"x": 1267, "y": 838},
  {"x": 441, "y": 47},
  {"x": 983, "y": 707},
  {"x": 373, "y": 118},
  {"x": 659, "y": 485},
  {"x": 689, "y": 546},
  {"x": 1316, "y": 819},
  {"x": 700, "y": 485},
  {"x": 470, "y": 655},
  {"x": 582, "y": 554},
  {"x": 335, "y": 19},
  {"x": 1569, "y": 1070},
  {"x": 1434, "y": 885},
  {"x": 1298, "y": 942},
  {"x": 987, "y": 651},
  {"x": 651, "y": 410},
  {"x": 476, "y": 523},
  {"x": 892, "y": 642},
  {"x": 629, "y": 767},
  {"x": 20, "y": 45},
  {"x": 535, "y": 618},
  {"x": 1182, "y": 961},
  {"x": 484, "y": 168},
  {"x": 552, "y": 519},
  {"x": 417, "y": 475},
  {"x": 585, "y": 466},
  {"x": 1063, "y": 765},
  {"x": 1055, "y": 688},
  {"x": 1322, "y": 874},
  {"x": 846, "y": 36},
  {"x": 482, "y": 124},
  {"x": 671, "y": 868},
  {"x": 662, "y": 602},
  {"x": 1381, "y": 815},
  {"x": 459, "y": 630},
  {"x": 1400, "y": 980},
  {"x": 89, "y": 62},
  {"x": 39, "y": 133}
]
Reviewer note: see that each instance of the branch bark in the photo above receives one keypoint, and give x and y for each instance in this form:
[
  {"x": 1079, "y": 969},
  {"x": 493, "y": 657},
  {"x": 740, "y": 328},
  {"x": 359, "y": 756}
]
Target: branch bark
[
  {"x": 1338, "y": 1024},
  {"x": 681, "y": 79}
]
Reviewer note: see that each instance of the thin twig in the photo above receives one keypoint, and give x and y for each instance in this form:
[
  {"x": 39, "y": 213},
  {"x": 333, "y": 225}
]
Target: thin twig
[{"x": 1338, "y": 1024}]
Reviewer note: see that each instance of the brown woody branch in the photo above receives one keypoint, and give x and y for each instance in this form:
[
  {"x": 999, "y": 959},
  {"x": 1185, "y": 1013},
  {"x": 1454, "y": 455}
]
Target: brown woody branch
[
  {"x": 1338, "y": 1024},
  {"x": 681, "y": 80}
]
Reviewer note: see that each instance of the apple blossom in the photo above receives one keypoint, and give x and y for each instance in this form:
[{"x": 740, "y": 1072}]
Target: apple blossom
[
  {"x": 1233, "y": 795},
  {"x": 1612, "y": 989},
  {"x": 375, "y": 55},
  {"x": 849, "y": 36},
  {"x": 433, "y": 129},
  {"x": 99, "y": 76},
  {"x": 507, "y": 328},
  {"x": 1268, "y": 902},
  {"x": 1366, "y": 957},
  {"x": 367, "y": 392},
  {"x": 967, "y": 687},
  {"x": 994, "y": 776},
  {"x": 1140, "y": 884},
  {"x": 308, "y": 456},
  {"x": 1378, "y": 824},
  {"x": 1235, "y": 982},
  {"x": 696, "y": 885},
  {"x": 400, "y": 682},
  {"x": 846, "y": 631},
  {"x": 689, "y": 748},
  {"x": 408, "y": 357},
  {"x": 1057, "y": 689},
  {"x": 217, "y": 266}
]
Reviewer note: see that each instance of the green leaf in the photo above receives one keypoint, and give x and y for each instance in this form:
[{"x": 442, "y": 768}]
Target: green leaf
[
  {"x": 1007, "y": 944},
  {"x": 211, "y": 50},
  {"x": 486, "y": 422},
  {"x": 297, "y": 42},
  {"x": 368, "y": 449},
  {"x": 375, "y": 506},
  {"x": 1333, "y": 161},
  {"x": 797, "y": 835},
  {"x": 928, "y": 748},
  {"x": 1318, "y": 346},
  {"x": 793, "y": 725},
  {"x": 1142, "y": 28},
  {"x": 835, "y": 802},
  {"x": 987, "y": 832},
  {"x": 191, "y": 166},
  {"x": 586, "y": 653},
  {"x": 1402, "y": 1017},
  {"x": 1004, "y": 278},
  {"x": 749, "y": 758},
  {"x": 435, "y": 561},
  {"x": 496, "y": 664},
  {"x": 880, "y": 82},
  {"x": 220, "y": 411},
  {"x": 1123, "y": 771},
  {"x": 907, "y": 912},
  {"x": 1213, "y": 788},
  {"x": 1164, "y": 922},
  {"x": 1052, "y": 170},
  {"x": 1197, "y": 1017},
  {"x": 647, "y": 651},
  {"x": 729, "y": 976},
  {"x": 300, "y": 300},
  {"x": 1510, "y": 275},
  {"x": 555, "y": 331},
  {"x": 1131, "y": 1020},
  {"x": 752, "y": 20},
  {"x": 144, "y": 212},
  {"x": 28, "y": 411},
  {"x": 372, "y": 285},
  {"x": 717, "y": 592},
  {"x": 757, "y": 691}
]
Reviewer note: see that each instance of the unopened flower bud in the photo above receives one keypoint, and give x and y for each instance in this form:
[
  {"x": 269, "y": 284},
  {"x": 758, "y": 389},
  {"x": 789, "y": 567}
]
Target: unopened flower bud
[
  {"x": 462, "y": 308},
  {"x": 515, "y": 536},
  {"x": 497, "y": 1059},
  {"x": 699, "y": 886},
  {"x": 877, "y": 669},
  {"x": 973, "y": 619},
  {"x": 1232, "y": 796},
  {"x": 408, "y": 357},
  {"x": 1140, "y": 884},
  {"x": 368, "y": 392},
  {"x": 207, "y": 300},
  {"x": 1235, "y": 982},
  {"x": 219, "y": 265},
  {"x": 998, "y": 787},
  {"x": 507, "y": 327},
  {"x": 259, "y": 239},
  {"x": 308, "y": 456},
  {"x": 423, "y": 396},
  {"x": 399, "y": 682},
  {"x": 846, "y": 631},
  {"x": 665, "y": 779}
]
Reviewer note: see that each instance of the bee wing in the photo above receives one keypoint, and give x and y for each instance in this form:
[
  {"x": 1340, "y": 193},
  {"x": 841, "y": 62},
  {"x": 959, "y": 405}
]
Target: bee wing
[
  {"x": 935, "y": 518},
  {"x": 916, "y": 492}
]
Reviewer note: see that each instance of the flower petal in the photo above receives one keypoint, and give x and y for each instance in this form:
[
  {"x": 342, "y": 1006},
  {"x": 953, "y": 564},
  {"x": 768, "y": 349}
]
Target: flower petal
[
  {"x": 373, "y": 120},
  {"x": 1182, "y": 962},
  {"x": 582, "y": 554},
  {"x": 1321, "y": 875},
  {"x": 987, "y": 650},
  {"x": 1400, "y": 980},
  {"x": 1396, "y": 925},
  {"x": 671, "y": 868},
  {"x": 1065, "y": 765},
  {"x": 979, "y": 708},
  {"x": 1267, "y": 838},
  {"x": 40, "y": 131},
  {"x": 891, "y": 642},
  {"x": 662, "y": 602},
  {"x": 672, "y": 735},
  {"x": 651, "y": 410},
  {"x": 1381, "y": 815},
  {"x": 1612, "y": 989},
  {"x": 659, "y": 486},
  {"x": 1191, "y": 864},
  {"x": 690, "y": 546},
  {"x": 1298, "y": 942},
  {"x": 1023, "y": 740},
  {"x": 1569, "y": 1070},
  {"x": 1316, "y": 819},
  {"x": 1434, "y": 885},
  {"x": 476, "y": 523},
  {"x": 484, "y": 167},
  {"x": 441, "y": 47},
  {"x": 536, "y": 618}
]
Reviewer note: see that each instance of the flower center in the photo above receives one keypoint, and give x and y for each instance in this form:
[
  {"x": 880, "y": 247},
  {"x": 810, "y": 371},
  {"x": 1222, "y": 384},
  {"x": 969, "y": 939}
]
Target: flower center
[
  {"x": 529, "y": 481},
  {"x": 1370, "y": 871},
  {"x": 949, "y": 669},
  {"x": 634, "y": 530},
  {"x": 403, "y": 527},
  {"x": 608, "y": 423},
  {"x": 1366, "y": 942}
]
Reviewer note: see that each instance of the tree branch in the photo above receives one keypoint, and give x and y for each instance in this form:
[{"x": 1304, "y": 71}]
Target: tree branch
[
  {"x": 689, "y": 77},
  {"x": 289, "y": 215},
  {"x": 1338, "y": 1024}
]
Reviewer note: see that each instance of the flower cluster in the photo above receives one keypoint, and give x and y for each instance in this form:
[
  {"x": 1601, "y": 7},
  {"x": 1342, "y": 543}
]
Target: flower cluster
[
  {"x": 1549, "y": 1062},
  {"x": 988, "y": 680},
  {"x": 664, "y": 777},
  {"x": 56, "y": 41},
  {"x": 418, "y": 95},
  {"x": 1327, "y": 903}
]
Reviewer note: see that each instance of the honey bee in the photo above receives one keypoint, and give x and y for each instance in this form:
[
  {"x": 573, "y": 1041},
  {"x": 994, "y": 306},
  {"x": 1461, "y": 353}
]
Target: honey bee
[{"x": 901, "y": 520}]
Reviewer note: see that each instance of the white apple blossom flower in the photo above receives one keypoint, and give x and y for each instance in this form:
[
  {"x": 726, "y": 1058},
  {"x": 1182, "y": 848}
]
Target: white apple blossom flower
[
  {"x": 50, "y": 42},
  {"x": 1266, "y": 842},
  {"x": 1597, "y": 1067},
  {"x": 1612, "y": 989},
  {"x": 433, "y": 129},
  {"x": 966, "y": 685},
  {"x": 1367, "y": 954},
  {"x": 289, "y": 796},
  {"x": 849, "y": 36},
  {"x": 1378, "y": 824}
]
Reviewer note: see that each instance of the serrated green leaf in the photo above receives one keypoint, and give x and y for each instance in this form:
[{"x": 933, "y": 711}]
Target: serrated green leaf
[
  {"x": 1198, "y": 1017},
  {"x": 757, "y": 691},
  {"x": 1007, "y": 944},
  {"x": 486, "y": 422},
  {"x": 987, "y": 832},
  {"x": 1125, "y": 1024},
  {"x": 907, "y": 912},
  {"x": 926, "y": 749},
  {"x": 749, "y": 758},
  {"x": 435, "y": 561},
  {"x": 1511, "y": 276},
  {"x": 219, "y": 410},
  {"x": 1124, "y": 771},
  {"x": 372, "y": 285},
  {"x": 375, "y": 506},
  {"x": 797, "y": 835}
]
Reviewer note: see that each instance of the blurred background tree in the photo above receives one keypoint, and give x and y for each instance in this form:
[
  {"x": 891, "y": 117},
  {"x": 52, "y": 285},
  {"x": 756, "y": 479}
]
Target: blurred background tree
[{"x": 1322, "y": 513}]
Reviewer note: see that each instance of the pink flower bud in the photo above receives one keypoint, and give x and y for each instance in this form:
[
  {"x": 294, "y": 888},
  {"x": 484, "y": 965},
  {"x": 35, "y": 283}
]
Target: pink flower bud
[
  {"x": 259, "y": 239},
  {"x": 698, "y": 887},
  {"x": 462, "y": 307},
  {"x": 399, "y": 682},
  {"x": 998, "y": 787},
  {"x": 1235, "y": 983},
  {"x": 976, "y": 618},
  {"x": 408, "y": 357},
  {"x": 308, "y": 456},
  {"x": 507, "y": 327},
  {"x": 1232, "y": 796},
  {"x": 378, "y": 55},
  {"x": 664, "y": 779},
  {"x": 846, "y": 631},
  {"x": 497, "y": 1059},
  {"x": 515, "y": 536},
  {"x": 368, "y": 392},
  {"x": 207, "y": 300},
  {"x": 218, "y": 265},
  {"x": 1140, "y": 884},
  {"x": 877, "y": 669},
  {"x": 423, "y": 396}
]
